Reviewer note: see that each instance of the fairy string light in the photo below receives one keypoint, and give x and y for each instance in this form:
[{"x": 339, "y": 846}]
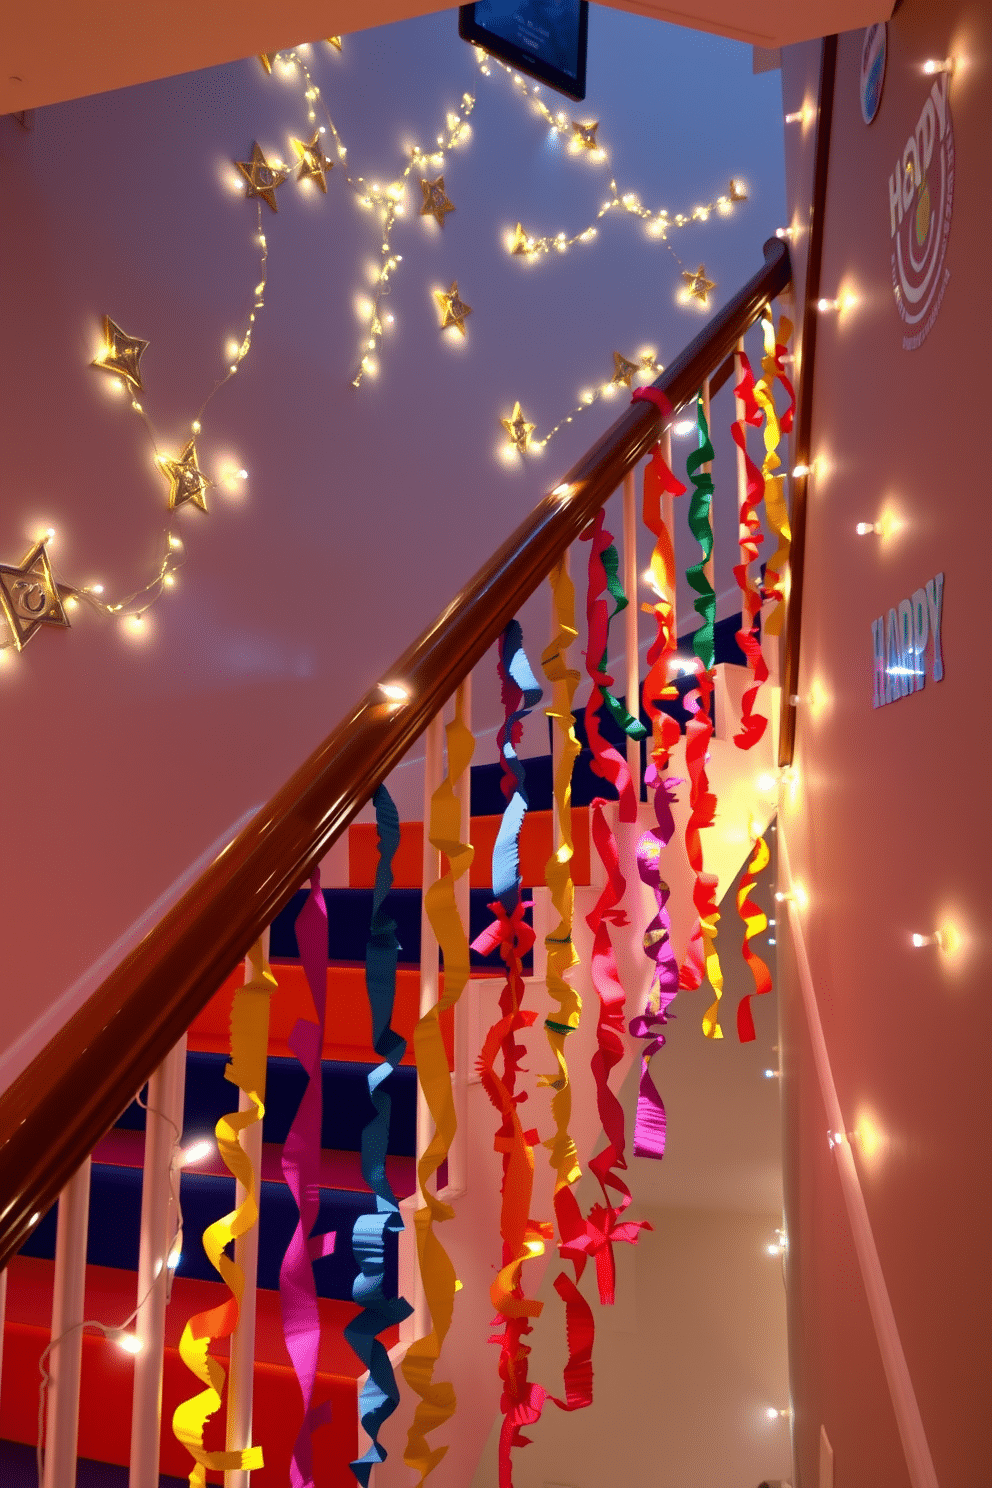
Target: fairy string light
[
  {"x": 520, "y": 432},
  {"x": 31, "y": 596},
  {"x": 388, "y": 199}
]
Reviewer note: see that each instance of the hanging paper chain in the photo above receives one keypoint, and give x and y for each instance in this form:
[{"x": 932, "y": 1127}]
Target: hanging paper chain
[
  {"x": 380, "y": 1394},
  {"x": 650, "y": 1121},
  {"x": 521, "y": 1400},
  {"x": 755, "y": 922},
  {"x": 301, "y": 1169},
  {"x": 778, "y": 516},
  {"x": 249, "y": 1052},
  {"x": 437, "y": 1400},
  {"x": 753, "y": 724},
  {"x": 701, "y": 955},
  {"x": 561, "y": 958}
]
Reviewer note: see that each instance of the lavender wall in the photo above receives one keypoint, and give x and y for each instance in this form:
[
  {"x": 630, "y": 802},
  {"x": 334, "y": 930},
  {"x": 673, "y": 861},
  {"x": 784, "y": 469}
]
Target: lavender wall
[{"x": 125, "y": 760}]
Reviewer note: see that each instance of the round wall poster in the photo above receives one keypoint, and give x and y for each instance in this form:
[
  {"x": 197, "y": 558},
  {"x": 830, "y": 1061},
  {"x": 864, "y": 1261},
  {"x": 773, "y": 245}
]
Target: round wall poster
[{"x": 872, "y": 70}]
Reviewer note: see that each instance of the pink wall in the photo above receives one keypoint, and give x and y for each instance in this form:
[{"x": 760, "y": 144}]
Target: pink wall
[
  {"x": 886, "y": 828},
  {"x": 124, "y": 760}
]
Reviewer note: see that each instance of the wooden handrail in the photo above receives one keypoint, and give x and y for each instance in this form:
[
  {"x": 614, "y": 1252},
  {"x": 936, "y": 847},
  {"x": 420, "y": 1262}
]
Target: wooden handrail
[{"x": 56, "y": 1111}]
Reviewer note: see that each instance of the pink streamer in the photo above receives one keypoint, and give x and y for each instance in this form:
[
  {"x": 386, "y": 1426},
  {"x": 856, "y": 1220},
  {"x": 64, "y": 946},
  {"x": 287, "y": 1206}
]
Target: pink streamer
[{"x": 301, "y": 1168}]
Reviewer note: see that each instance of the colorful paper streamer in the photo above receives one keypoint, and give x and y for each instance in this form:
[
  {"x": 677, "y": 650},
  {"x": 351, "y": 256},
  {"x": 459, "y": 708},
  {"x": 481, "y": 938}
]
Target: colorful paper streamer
[
  {"x": 752, "y": 725},
  {"x": 772, "y": 365},
  {"x": 246, "y": 1070},
  {"x": 380, "y": 1394},
  {"x": 301, "y": 1169},
  {"x": 755, "y": 922},
  {"x": 437, "y": 1398}
]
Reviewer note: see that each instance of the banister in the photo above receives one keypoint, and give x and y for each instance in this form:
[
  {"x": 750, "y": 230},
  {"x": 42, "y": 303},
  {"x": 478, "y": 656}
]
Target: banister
[{"x": 56, "y": 1111}]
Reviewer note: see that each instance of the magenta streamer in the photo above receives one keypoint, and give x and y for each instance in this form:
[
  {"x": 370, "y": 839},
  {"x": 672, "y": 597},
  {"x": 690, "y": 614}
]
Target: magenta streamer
[
  {"x": 301, "y": 1169},
  {"x": 650, "y": 1124}
]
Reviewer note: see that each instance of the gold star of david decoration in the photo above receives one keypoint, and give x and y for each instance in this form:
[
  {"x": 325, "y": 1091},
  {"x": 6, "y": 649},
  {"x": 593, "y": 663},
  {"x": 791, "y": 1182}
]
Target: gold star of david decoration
[
  {"x": 262, "y": 177},
  {"x": 314, "y": 164},
  {"x": 697, "y": 286},
  {"x": 186, "y": 480},
  {"x": 452, "y": 307},
  {"x": 436, "y": 201},
  {"x": 121, "y": 354},
  {"x": 521, "y": 242},
  {"x": 29, "y": 596},
  {"x": 518, "y": 429},
  {"x": 585, "y": 135},
  {"x": 623, "y": 370},
  {"x": 738, "y": 191}
]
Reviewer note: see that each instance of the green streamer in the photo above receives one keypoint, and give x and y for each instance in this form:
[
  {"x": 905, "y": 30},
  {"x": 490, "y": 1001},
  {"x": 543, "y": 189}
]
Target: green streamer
[
  {"x": 701, "y": 527},
  {"x": 631, "y": 726}
]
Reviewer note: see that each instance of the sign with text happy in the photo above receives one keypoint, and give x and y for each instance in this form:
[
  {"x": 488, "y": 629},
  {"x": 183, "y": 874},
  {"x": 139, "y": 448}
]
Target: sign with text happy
[{"x": 900, "y": 640}]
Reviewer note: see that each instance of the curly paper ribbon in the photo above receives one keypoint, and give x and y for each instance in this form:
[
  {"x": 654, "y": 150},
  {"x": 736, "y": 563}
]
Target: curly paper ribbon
[
  {"x": 606, "y": 762},
  {"x": 659, "y": 481},
  {"x": 755, "y": 921},
  {"x": 437, "y": 1399},
  {"x": 249, "y": 1052},
  {"x": 753, "y": 724},
  {"x": 301, "y": 1169},
  {"x": 701, "y": 954},
  {"x": 521, "y": 1400},
  {"x": 778, "y": 516},
  {"x": 380, "y": 1394}
]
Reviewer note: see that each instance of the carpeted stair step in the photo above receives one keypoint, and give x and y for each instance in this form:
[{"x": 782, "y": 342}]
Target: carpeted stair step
[
  {"x": 105, "y": 1413},
  {"x": 346, "y": 1104}
]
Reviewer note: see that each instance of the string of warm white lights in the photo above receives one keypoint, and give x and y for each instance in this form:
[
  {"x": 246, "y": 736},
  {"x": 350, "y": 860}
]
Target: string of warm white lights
[
  {"x": 30, "y": 595},
  {"x": 388, "y": 199},
  {"x": 520, "y": 433}
]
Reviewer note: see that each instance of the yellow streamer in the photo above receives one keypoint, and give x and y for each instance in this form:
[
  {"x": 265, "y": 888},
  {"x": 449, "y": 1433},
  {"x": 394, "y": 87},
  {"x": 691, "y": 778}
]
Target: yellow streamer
[
  {"x": 437, "y": 1400},
  {"x": 562, "y": 955},
  {"x": 775, "y": 506},
  {"x": 249, "y": 1053}
]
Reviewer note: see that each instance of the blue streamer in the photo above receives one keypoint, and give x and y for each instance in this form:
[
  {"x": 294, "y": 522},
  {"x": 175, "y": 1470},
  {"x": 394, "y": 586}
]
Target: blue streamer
[
  {"x": 517, "y": 676},
  {"x": 380, "y": 1393}
]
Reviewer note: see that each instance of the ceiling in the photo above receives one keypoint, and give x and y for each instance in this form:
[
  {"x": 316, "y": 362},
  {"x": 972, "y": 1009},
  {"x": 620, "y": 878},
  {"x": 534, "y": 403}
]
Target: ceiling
[{"x": 53, "y": 50}]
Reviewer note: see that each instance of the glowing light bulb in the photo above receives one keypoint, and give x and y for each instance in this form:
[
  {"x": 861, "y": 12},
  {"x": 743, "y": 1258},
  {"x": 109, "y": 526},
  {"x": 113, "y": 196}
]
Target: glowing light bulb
[
  {"x": 863, "y": 528},
  {"x": 683, "y": 427},
  {"x": 130, "y": 1343},
  {"x": 796, "y": 895},
  {"x": 96, "y": 588},
  {"x": 194, "y": 1153},
  {"x": 169, "y": 580},
  {"x": 824, "y": 306},
  {"x": 196, "y": 426},
  {"x": 798, "y": 471},
  {"x": 770, "y": 1074},
  {"x": 394, "y": 691},
  {"x": 932, "y": 66},
  {"x": 766, "y": 782}
]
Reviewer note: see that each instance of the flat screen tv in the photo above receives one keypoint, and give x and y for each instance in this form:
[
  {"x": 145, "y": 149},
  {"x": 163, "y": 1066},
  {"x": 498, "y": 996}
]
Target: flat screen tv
[{"x": 544, "y": 38}]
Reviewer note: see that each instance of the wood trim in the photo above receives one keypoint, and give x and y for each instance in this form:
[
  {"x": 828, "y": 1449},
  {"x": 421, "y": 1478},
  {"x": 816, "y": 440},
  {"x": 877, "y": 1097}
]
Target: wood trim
[
  {"x": 804, "y": 411},
  {"x": 53, "y": 1115}
]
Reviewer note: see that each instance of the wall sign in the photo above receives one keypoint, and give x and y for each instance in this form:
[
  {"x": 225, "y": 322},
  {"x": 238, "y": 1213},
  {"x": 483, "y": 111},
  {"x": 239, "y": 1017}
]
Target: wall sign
[
  {"x": 921, "y": 194},
  {"x": 899, "y": 642},
  {"x": 873, "y": 51}
]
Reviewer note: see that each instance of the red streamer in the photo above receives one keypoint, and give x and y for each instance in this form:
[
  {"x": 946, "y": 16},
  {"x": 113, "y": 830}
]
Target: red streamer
[{"x": 753, "y": 724}]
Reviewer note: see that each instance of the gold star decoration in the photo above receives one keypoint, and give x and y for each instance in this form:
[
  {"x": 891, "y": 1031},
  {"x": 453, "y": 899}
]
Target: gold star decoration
[
  {"x": 738, "y": 191},
  {"x": 186, "y": 480},
  {"x": 623, "y": 370},
  {"x": 436, "y": 201},
  {"x": 262, "y": 177},
  {"x": 452, "y": 307},
  {"x": 29, "y": 596},
  {"x": 334, "y": 41},
  {"x": 585, "y": 135},
  {"x": 314, "y": 164},
  {"x": 697, "y": 286},
  {"x": 121, "y": 354},
  {"x": 520, "y": 243},
  {"x": 518, "y": 429},
  {"x": 267, "y": 59}
]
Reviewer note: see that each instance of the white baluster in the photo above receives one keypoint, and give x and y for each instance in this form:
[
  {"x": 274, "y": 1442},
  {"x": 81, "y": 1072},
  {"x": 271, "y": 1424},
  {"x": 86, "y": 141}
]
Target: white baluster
[
  {"x": 457, "y": 1165},
  {"x": 65, "y": 1359},
  {"x": 160, "y": 1181},
  {"x": 241, "y": 1378},
  {"x": 630, "y": 614}
]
